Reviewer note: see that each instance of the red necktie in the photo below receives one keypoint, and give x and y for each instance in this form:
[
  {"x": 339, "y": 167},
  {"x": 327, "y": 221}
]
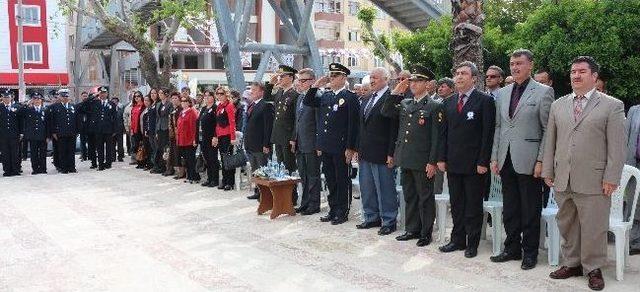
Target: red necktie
[
  {"x": 460, "y": 103},
  {"x": 250, "y": 109}
]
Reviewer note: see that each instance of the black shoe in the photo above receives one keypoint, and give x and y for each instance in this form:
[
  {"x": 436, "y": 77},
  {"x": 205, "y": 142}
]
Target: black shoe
[
  {"x": 450, "y": 247},
  {"x": 64, "y": 172},
  {"x": 470, "y": 252},
  {"x": 310, "y": 212},
  {"x": 120, "y": 160},
  {"x": 101, "y": 168},
  {"x": 206, "y": 184},
  {"x": 168, "y": 173},
  {"x": 300, "y": 209},
  {"x": 327, "y": 218},
  {"x": 108, "y": 166},
  {"x": 529, "y": 263},
  {"x": 367, "y": 225},
  {"x": 73, "y": 170},
  {"x": 505, "y": 256},
  {"x": 386, "y": 230},
  {"x": 423, "y": 241},
  {"x": 339, "y": 220},
  {"x": 220, "y": 186},
  {"x": 253, "y": 197},
  {"x": 93, "y": 166},
  {"x": 228, "y": 187},
  {"x": 407, "y": 236},
  {"x": 155, "y": 170}
]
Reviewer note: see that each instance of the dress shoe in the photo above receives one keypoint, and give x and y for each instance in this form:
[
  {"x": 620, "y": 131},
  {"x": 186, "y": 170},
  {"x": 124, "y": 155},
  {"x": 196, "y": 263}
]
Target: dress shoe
[
  {"x": 470, "y": 252},
  {"x": 386, "y": 230},
  {"x": 339, "y": 220},
  {"x": 253, "y": 197},
  {"x": 367, "y": 225},
  {"x": 120, "y": 160},
  {"x": 206, "y": 184},
  {"x": 423, "y": 241},
  {"x": 326, "y": 218},
  {"x": 155, "y": 171},
  {"x": 300, "y": 209},
  {"x": 220, "y": 187},
  {"x": 451, "y": 247},
  {"x": 73, "y": 170},
  {"x": 178, "y": 177},
  {"x": 228, "y": 187},
  {"x": 310, "y": 212},
  {"x": 528, "y": 263},
  {"x": 596, "y": 282},
  {"x": 565, "y": 272},
  {"x": 93, "y": 166},
  {"x": 108, "y": 166},
  {"x": 407, "y": 236},
  {"x": 64, "y": 172},
  {"x": 168, "y": 173},
  {"x": 505, "y": 256},
  {"x": 101, "y": 168}
]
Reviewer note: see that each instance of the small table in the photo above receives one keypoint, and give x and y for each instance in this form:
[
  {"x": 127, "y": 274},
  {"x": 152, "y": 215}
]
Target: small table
[{"x": 276, "y": 195}]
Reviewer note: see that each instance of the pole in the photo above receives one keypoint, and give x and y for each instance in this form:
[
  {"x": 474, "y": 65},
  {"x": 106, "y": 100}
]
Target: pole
[
  {"x": 21, "y": 87},
  {"x": 77, "y": 68}
]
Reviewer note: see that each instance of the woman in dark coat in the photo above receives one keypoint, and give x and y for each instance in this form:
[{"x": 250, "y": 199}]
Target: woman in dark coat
[{"x": 207, "y": 128}]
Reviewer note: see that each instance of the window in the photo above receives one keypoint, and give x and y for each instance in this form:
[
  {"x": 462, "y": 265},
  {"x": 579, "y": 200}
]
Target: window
[
  {"x": 327, "y": 59},
  {"x": 32, "y": 53},
  {"x": 328, "y": 6},
  {"x": 352, "y": 61},
  {"x": 354, "y": 7},
  {"x": 30, "y": 15},
  {"x": 353, "y": 36}
]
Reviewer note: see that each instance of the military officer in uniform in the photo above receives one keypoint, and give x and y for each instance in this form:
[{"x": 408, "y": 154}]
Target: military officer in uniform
[
  {"x": 64, "y": 130},
  {"x": 338, "y": 124},
  {"x": 284, "y": 99},
  {"x": 35, "y": 133},
  {"x": 416, "y": 150},
  {"x": 105, "y": 121},
  {"x": 87, "y": 118},
  {"x": 9, "y": 134}
]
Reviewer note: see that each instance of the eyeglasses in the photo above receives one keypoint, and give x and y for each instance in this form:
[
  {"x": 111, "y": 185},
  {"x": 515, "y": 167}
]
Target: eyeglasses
[
  {"x": 184, "y": 101},
  {"x": 305, "y": 79},
  {"x": 492, "y": 76},
  {"x": 219, "y": 93}
]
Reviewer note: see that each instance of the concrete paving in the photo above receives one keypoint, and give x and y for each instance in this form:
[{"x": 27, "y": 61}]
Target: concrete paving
[{"x": 128, "y": 230}]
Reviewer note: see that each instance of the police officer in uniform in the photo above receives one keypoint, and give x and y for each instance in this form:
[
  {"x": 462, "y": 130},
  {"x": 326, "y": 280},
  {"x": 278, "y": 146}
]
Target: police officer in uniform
[
  {"x": 35, "y": 133},
  {"x": 64, "y": 130},
  {"x": 338, "y": 124},
  {"x": 284, "y": 100},
  {"x": 416, "y": 150},
  {"x": 105, "y": 120},
  {"x": 9, "y": 134},
  {"x": 88, "y": 121}
]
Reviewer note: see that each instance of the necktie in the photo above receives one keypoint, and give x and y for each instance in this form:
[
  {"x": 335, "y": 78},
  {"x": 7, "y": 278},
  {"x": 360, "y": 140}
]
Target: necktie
[
  {"x": 367, "y": 109},
  {"x": 515, "y": 98},
  {"x": 461, "y": 103},
  {"x": 250, "y": 109},
  {"x": 577, "y": 107}
]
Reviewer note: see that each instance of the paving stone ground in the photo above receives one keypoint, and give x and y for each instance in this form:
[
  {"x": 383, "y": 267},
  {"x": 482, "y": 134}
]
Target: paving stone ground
[{"x": 128, "y": 230}]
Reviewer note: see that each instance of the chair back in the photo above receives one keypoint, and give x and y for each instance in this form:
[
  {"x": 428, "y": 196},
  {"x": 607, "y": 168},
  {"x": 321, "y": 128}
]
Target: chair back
[
  {"x": 617, "y": 198},
  {"x": 495, "y": 193}
]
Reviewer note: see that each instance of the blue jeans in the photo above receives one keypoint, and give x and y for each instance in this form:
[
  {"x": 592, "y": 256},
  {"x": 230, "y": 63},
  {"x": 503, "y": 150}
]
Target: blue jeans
[{"x": 378, "y": 193}]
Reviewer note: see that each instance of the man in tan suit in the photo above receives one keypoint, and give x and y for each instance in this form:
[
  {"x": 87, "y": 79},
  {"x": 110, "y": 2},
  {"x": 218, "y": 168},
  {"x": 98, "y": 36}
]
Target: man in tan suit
[{"x": 583, "y": 159}]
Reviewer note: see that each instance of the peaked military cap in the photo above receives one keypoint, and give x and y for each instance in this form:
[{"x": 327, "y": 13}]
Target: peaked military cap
[
  {"x": 63, "y": 92},
  {"x": 339, "y": 68},
  {"x": 4, "y": 92},
  {"x": 35, "y": 95},
  {"x": 103, "y": 89},
  {"x": 419, "y": 72},
  {"x": 284, "y": 69}
]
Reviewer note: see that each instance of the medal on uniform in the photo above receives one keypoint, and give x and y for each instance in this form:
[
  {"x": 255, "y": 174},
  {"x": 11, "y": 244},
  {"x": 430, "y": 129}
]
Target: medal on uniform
[
  {"x": 439, "y": 117},
  {"x": 335, "y": 107},
  {"x": 421, "y": 121},
  {"x": 210, "y": 110},
  {"x": 341, "y": 101},
  {"x": 470, "y": 116}
]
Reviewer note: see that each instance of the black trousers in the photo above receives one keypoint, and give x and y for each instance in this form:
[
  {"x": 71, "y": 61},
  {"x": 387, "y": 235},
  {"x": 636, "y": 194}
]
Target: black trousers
[
  {"x": 38, "y": 150},
  {"x": 336, "y": 172},
  {"x": 84, "y": 141},
  {"x": 420, "y": 203},
  {"x": 522, "y": 206},
  {"x": 55, "y": 155},
  {"x": 24, "y": 149},
  {"x": 466, "y": 197},
  {"x": 210, "y": 155},
  {"x": 225, "y": 147},
  {"x": 188, "y": 153},
  {"x": 127, "y": 142},
  {"x": 163, "y": 142},
  {"x": 118, "y": 144},
  {"x": 91, "y": 148},
  {"x": 10, "y": 155},
  {"x": 309, "y": 168},
  {"x": 104, "y": 147},
  {"x": 67, "y": 153}
]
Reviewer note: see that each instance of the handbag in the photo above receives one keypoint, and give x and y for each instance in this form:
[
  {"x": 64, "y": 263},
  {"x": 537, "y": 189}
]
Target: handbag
[
  {"x": 141, "y": 154},
  {"x": 231, "y": 161}
]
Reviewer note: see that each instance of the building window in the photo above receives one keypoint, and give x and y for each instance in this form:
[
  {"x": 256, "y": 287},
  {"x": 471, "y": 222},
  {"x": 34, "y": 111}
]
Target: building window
[
  {"x": 354, "y": 7},
  {"x": 328, "y": 6},
  {"x": 327, "y": 59},
  {"x": 352, "y": 61},
  {"x": 32, "y": 53},
  {"x": 30, "y": 15},
  {"x": 353, "y": 36}
]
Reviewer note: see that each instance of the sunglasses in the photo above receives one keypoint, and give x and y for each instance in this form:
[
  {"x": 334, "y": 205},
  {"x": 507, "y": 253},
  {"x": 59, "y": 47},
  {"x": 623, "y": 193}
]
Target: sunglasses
[{"x": 219, "y": 93}]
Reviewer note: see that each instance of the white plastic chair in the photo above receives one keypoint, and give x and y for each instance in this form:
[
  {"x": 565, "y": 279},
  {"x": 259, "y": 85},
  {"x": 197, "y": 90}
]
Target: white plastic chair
[
  {"x": 493, "y": 206},
  {"x": 442, "y": 204},
  {"x": 549, "y": 230},
  {"x": 620, "y": 226}
]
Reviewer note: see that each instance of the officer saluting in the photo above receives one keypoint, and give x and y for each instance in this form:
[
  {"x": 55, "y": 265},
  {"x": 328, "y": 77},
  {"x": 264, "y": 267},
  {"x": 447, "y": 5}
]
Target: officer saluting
[
  {"x": 285, "y": 100},
  {"x": 64, "y": 129},
  {"x": 105, "y": 118},
  {"x": 35, "y": 133},
  {"x": 9, "y": 134},
  {"x": 338, "y": 123},
  {"x": 416, "y": 150}
]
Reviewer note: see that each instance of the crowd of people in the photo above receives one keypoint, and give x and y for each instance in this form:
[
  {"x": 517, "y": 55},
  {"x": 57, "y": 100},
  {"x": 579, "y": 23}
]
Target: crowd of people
[{"x": 429, "y": 129}]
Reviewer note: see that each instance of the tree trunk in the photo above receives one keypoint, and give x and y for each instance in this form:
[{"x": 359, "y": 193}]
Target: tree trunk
[
  {"x": 468, "y": 23},
  {"x": 380, "y": 47}
]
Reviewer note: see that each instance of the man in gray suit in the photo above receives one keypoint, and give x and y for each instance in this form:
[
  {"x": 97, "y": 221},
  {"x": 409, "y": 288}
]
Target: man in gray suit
[
  {"x": 304, "y": 145},
  {"x": 584, "y": 153},
  {"x": 522, "y": 111}
]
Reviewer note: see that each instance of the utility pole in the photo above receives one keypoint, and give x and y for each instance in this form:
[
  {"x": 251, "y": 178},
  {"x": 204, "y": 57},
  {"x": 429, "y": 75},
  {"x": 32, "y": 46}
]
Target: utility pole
[
  {"x": 77, "y": 68},
  {"x": 21, "y": 87}
]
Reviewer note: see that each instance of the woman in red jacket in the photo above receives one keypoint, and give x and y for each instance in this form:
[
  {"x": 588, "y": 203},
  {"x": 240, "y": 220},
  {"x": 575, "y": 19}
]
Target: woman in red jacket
[
  {"x": 225, "y": 133},
  {"x": 186, "y": 138},
  {"x": 136, "y": 111}
]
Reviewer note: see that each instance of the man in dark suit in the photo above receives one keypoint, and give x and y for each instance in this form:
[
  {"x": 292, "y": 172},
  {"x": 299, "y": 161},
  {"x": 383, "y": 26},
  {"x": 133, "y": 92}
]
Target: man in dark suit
[
  {"x": 336, "y": 138},
  {"x": 35, "y": 133},
  {"x": 64, "y": 129},
  {"x": 9, "y": 134},
  {"x": 467, "y": 137},
  {"x": 88, "y": 121},
  {"x": 118, "y": 138},
  {"x": 304, "y": 145},
  {"x": 105, "y": 118},
  {"x": 284, "y": 100},
  {"x": 257, "y": 133},
  {"x": 376, "y": 145}
]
